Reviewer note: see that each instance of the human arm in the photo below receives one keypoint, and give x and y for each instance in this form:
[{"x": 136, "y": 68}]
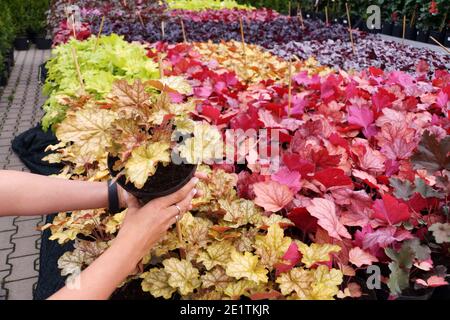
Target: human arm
[
  {"x": 24, "y": 194},
  {"x": 141, "y": 229}
]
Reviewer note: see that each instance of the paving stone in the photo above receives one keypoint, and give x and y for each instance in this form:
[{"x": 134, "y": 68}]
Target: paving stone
[
  {"x": 27, "y": 228},
  {"x": 6, "y": 149},
  {"x": 4, "y": 157},
  {"x": 19, "y": 167},
  {"x": 21, "y": 290},
  {"x": 26, "y": 218},
  {"x": 5, "y": 142},
  {"x": 10, "y": 121},
  {"x": 3, "y": 275},
  {"x": 5, "y": 239},
  {"x": 20, "y": 109},
  {"x": 6, "y": 134},
  {"x": 7, "y": 223},
  {"x": 16, "y": 163},
  {"x": 25, "y": 246},
  {"x": 9, "y": 127},
  {"x": 22, "y": 268},
  {"x": 4, "y": 259}
]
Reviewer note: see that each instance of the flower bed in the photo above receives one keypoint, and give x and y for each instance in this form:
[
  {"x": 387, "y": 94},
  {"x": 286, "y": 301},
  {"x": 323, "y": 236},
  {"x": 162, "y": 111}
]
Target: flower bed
[
  {"x": 200, "y": 5},
  {"x": 263, "y": 27},
  {"x": 370, "y": 51},
  {"x": 357, "y": 175}
]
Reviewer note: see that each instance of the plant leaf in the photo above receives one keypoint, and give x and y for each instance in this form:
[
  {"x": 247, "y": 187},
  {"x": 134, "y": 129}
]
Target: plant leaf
[
  {"x": 216, "y": 254},
  {"x": 246, "y": 266},
  {"x": 359, "y": 257},
  {"x": 182, "y": 275},
  {"x": 297, "y": 280},
  {"x": 89, "y": 129},
  {"x": 427, "y": 191},
  {"x": 205, "y": 146},
  {"x": 272, "y": 196},
  {"x": 316, "y": 253},
  {"x": 272, "y": 246},
  {"x": 431, "y": 154},
  {"x": 325, "y": 211},
  {"x": 402, "y": 189},
  {"x": 241, "y": 212},
  {"x": 156, "y": 281},
  {"x": 216, "y": 278},
  {"x": 441, "y": 232},
  {"x": 144, "y": 161},
  {"x": 390, "y": 211}
]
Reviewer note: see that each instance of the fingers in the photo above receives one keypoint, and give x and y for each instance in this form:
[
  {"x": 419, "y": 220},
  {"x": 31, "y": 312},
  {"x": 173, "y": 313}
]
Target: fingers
[
  {"x": 178, "y": 196},
  {"x": 201, "y": 175},
  {"x": 126, "y": 200},
  {"x": 184, "y": 205},
  {"x": 132, "y": 201}
]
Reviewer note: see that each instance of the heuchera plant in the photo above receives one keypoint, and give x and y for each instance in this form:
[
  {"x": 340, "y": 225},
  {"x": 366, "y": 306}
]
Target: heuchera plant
[
  {"x": 137, "y": 124},
  {"x": 100, "y": 64}
]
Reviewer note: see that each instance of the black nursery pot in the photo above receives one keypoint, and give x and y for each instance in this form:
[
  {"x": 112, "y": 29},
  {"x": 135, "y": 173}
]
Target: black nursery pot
[
  {"x": 397, "y": 31},
  {"x": 360, "y": 24},
  {"x": 42, "y": 74},
  {"x": 422, "y": 36},
  {"x": 22, "y": 44},
  {"x": 3, "y": 79},
  {"x": 11, "y": 56},
  {"x": 32, "y": 36},
  {"x": 387, "y": 28},
  {"x": 438, "y": 35},
  {"x": 447, "y": 39},
  {"x": 321, "y": 16},
  {"x": 411, "y": 33},
  {"x": 309, "y": 15},
  {"x": 417, "y": 295},
  {"x": 43, "y": 43},
  {"x": 372, "y": 29},
  {"x": 166, "y": 180}
]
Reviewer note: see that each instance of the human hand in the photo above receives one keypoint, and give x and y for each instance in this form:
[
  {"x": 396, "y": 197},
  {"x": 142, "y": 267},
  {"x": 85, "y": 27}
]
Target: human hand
[
  {"x": 143, "y": 227},
  {"x": 126, "y": 199}
]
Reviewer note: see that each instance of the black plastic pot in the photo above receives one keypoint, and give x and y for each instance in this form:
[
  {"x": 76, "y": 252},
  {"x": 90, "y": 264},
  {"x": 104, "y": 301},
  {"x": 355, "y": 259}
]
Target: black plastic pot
[
  {"x": 422, "y": 36},
  {"x": 309, "y": 15},
  {"x": 447, "y": 39},
  {"x": 42, "y": 74},
  {"x": 22, "y": 44},
  {"x": 387, "y": 28},
  {"x": 374, "y": 30},
  {"x": 420, "y": 295},
  {"x": 321, "y": 16},
  {"x": 361, "y": 24},
  {"x": 397, "y": 31},
  {"x": 343, "y": 21},
  {"x": 166, "y": 180},
  {"x": 32, "y": 36},
  {"x": 43, "y": 43},
  {"x": 11, "y": 56},
  {"x": 3, "y": 79},
  {"x": 411, "y": 33},
  {"x": 438, "y": 35}
]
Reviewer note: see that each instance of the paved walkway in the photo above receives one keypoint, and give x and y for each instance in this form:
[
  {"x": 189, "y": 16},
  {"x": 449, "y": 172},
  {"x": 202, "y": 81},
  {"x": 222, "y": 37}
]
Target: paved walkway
[{"x": 20, "y": 103}]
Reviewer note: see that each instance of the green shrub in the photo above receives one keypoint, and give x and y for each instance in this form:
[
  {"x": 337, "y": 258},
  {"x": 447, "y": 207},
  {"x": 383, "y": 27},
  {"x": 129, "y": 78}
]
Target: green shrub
[
  {"x": 37, "y": 21},
  {"x": 19, "y": 15},
  {"x": 7, "y": 34}
]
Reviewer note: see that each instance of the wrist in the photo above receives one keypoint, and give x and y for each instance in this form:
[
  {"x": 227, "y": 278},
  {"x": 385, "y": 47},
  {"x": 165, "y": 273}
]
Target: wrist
[{"x": 125, "y": 251}]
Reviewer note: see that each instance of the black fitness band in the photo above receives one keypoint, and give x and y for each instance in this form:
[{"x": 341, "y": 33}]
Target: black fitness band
[{"x": 113, "y": 198}]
